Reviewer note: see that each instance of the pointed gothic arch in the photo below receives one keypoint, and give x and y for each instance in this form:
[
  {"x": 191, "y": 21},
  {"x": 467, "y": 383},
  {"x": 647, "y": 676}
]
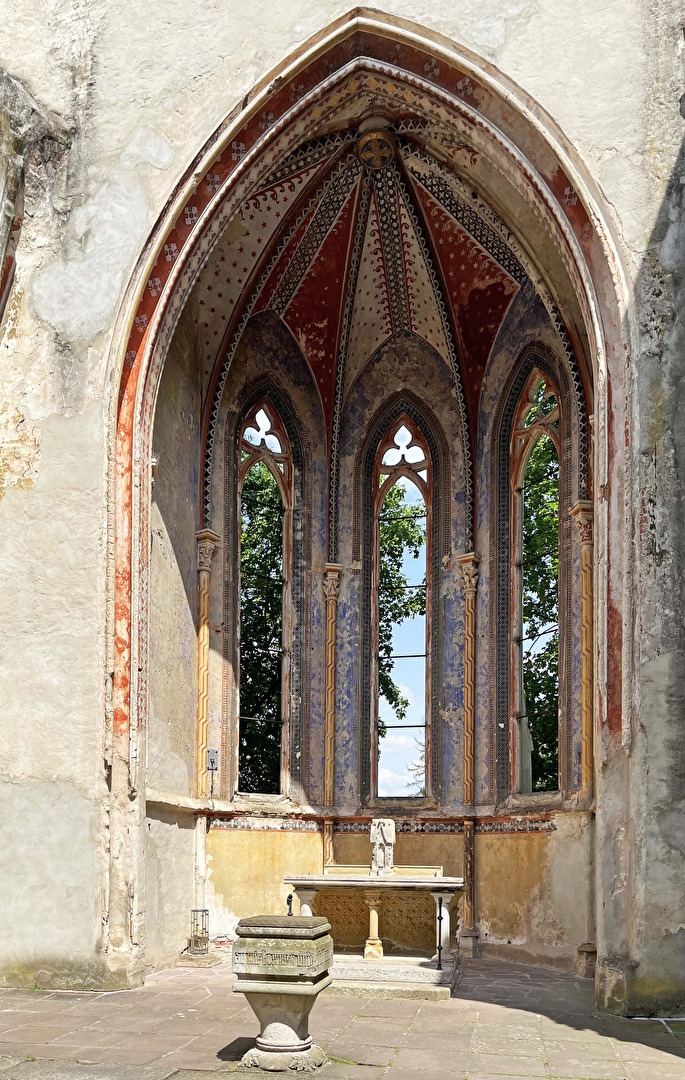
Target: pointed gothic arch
[{"x": 584, "y": 291}]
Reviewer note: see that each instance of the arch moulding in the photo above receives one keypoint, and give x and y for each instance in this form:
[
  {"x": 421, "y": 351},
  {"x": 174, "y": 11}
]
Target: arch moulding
[{"x": 587, "y": 288}]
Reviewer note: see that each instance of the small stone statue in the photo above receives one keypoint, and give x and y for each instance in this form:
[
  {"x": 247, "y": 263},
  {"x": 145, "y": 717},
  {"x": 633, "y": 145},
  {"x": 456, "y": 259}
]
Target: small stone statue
[{"x": 382, "y": 841}]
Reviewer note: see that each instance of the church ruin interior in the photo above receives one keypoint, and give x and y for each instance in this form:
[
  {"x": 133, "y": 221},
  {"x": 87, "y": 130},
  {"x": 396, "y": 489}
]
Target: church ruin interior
[{"x": 376, "y": 538}]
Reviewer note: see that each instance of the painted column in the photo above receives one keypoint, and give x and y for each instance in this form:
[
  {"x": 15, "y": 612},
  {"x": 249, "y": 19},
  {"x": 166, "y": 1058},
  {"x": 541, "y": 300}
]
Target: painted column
[
  {"x": 331, "y": 588},
  {"x": 582, "y": 512},
  {"x": 206, "y": 545},
  {"x": 373, "y": 949},
  {"x": 469, "y": 573},
  {"x": 468, "y": 937}
]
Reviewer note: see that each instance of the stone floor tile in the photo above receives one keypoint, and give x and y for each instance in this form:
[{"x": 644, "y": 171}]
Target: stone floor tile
[
  {"x": 350, "y": 1051},
  {"x": 89, "y": 1037},
  {"x": 651, "y": 1071},
  {"x": 555, "y": 1031},
  {"x": 156, "y": 1044},
  {"x": 583, "y": 1067},
  {"x": 393, "y": 1007},
  {"x": 637, "y": 1052},
  {"x": 344, "y": 1072},
  {"x": 597, "y": 1049},
  {"x": 430, "y": 1060},
  {"x": 139, "y": 1054},
  {"x": 52, "y": 1050},
  {"x": 29, "y": 1034},
  {"x": 7, "y": 1062},
  {"x": 137, "y": 1020},
  {"x": 533, "y": 1065},
  {"x": 450, "y": 1071},
  {"x": 416, "y": 1040},
  {"x": 658, "y": 1038},
  {"x": 510, "y": 1048},
  {"x": 500, "y": 1076},
  {"x": 70, "y": 1070},
  {"x": 369, "y": 1034},
  {"x": 198, "y": 1062}
]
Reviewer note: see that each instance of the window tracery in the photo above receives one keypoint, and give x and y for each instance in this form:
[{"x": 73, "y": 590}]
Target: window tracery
[
  {"x": 265, "y": 623},
  {"x": 401, "y": 629},
  {"x": 428, "y": 477},
  {"x": 538, "y": 468},
  {"x": 535, "y": 471}
]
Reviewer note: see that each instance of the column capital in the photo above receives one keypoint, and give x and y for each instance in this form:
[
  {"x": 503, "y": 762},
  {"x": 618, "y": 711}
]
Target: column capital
[
  {"x": 206, "y": 545},
  {"x": 584, "y": 515},
  {"x": 331, "y": 580},
  {"x": 468, "y": 564}
]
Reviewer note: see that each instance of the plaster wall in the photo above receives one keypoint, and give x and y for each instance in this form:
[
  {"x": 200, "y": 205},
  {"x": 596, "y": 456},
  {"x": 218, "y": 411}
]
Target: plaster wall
[
  {"x": 173, "y": 573},
  {"x": 169, "y": 881},
  {"x": 52, "y": 735}
]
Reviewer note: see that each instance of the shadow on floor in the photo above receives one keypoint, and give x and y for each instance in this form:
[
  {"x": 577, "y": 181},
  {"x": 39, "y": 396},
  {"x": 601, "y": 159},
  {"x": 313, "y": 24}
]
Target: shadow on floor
[
  {"x": 567, "y": 1000},
  {"x": 235, "y": 1050}
]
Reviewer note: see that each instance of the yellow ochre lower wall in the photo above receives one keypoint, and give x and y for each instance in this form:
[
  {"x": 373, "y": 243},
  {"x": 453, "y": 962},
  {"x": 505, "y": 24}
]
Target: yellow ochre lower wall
[
  {"x": 533, "y": 889},
  {"x": 245, "y": 871},
  {"x": 534, "y": 892}
]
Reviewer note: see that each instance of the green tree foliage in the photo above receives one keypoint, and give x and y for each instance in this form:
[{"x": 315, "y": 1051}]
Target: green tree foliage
[
  {"x": 261, "y": 632},
  {"x": 541, "y": 610},
  {"x": 401, "y": 530}
]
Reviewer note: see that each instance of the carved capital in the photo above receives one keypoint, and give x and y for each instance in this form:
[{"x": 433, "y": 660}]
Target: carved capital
[
  {"x": 206, "y": 545},
  {"x": 583, "y": 514},
  {"x": 331, "y": 580},
  {"x": 468, "y": 565}
]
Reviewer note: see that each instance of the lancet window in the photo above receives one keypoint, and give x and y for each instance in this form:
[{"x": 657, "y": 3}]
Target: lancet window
[
  {"x": 535, "y": 478},
  {"x": 265, "y": 515},
  {"x": 401, "y": 621}
]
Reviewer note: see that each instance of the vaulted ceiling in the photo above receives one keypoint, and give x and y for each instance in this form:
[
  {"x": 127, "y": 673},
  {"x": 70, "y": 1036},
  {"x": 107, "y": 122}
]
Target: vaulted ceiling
[{"x": 364, "y": 231}]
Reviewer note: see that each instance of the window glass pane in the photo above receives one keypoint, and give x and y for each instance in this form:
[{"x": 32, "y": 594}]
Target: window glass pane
[
  {"x": 402, "y": 763},
  {"x": 540, "y": 618},
  {"x": 401, "y": 640},
  {"x": 261, "y": 632}
]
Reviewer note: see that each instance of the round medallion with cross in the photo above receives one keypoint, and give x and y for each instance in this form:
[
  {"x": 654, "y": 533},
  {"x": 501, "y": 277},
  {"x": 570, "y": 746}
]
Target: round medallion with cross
[{"x": 376, "y": 149}]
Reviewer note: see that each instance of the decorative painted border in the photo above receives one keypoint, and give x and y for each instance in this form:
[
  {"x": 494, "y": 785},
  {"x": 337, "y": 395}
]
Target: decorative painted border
[
  {"x": 265, "y": 824},
  {"x": 361, "y": 828}
]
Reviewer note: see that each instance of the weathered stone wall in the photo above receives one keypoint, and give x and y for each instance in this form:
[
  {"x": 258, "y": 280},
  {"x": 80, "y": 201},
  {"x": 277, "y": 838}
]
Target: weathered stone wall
[{"x": 133, "y": 99}]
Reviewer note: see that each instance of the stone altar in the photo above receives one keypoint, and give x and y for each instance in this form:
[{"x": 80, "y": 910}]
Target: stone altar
[
  {"x": 306, "y": 887},
  {"x": 282, "y": 964}
]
